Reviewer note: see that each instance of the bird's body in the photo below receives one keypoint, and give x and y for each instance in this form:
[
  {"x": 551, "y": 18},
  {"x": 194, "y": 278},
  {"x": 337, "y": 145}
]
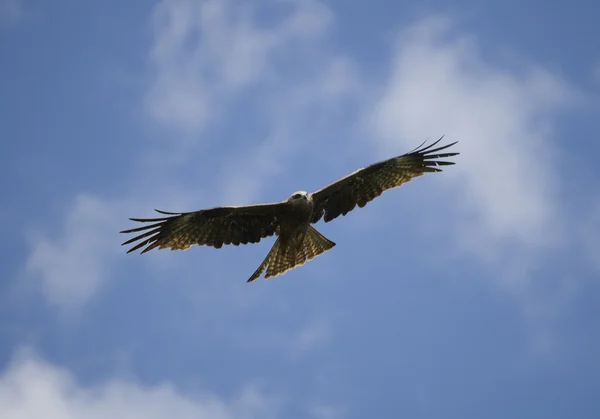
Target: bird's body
[
  {"x": 297, "y": 241},
  {"x": 290, "y": 220},
  {"x": 297, "y": 211}
]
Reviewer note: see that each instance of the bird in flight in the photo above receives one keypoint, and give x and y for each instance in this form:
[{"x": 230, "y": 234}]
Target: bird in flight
[{"x": 290, "y": 220}]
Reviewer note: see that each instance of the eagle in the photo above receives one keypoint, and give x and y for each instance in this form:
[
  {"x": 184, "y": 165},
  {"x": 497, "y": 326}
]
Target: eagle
[{"x": 290, "y": 220}]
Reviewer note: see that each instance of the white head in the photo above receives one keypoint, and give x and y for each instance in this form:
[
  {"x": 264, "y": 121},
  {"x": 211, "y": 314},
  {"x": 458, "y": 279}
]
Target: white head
[{"x": 299, "y": 195}]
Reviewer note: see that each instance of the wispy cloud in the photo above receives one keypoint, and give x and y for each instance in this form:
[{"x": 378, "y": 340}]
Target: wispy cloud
[
  {"x": 70, "y": 268},
  {"x": 441, "y": 83},
  {"x": 505, "y": 193},
  {"x": 207, "y": 52},
  {"x": 33, "y": 388}
]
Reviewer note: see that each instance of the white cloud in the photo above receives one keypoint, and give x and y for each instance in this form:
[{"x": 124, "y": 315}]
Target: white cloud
[
  {"x": 504, "y": 193},
  {"x": 71, "y": 267},
  {"x": 441, "y": 83},
  {"x": 205, "y": 51},
  {"x": 33, "y": 388}
]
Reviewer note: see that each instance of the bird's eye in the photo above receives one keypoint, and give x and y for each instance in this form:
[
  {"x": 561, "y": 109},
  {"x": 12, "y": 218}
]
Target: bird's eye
[{"x": 296, "y": 196}]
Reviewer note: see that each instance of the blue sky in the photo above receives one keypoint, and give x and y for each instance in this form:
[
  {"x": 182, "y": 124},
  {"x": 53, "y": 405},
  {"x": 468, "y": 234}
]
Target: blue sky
[{"x": 471, "y": 293}]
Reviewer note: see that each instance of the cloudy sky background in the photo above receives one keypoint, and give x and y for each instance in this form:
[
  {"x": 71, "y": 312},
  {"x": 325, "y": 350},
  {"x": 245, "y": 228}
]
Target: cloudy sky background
[{"x": 472, "y": 293}]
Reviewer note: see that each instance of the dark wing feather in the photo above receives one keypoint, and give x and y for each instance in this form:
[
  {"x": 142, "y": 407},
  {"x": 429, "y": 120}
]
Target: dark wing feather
[
  {"x": 368, "y": 183},
  {"x": 210, "y": 227}
]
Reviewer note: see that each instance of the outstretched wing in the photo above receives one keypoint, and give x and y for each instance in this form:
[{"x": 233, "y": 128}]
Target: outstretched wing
[
  {"x": 210, "y": 227},
  {"x": 368, "y": 183}
]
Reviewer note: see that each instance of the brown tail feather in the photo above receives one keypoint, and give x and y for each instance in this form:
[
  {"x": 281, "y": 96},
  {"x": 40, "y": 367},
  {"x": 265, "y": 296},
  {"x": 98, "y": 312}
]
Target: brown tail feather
[
  {"x": 271, "y": 255},
  {"x": 282, "y": 258}
]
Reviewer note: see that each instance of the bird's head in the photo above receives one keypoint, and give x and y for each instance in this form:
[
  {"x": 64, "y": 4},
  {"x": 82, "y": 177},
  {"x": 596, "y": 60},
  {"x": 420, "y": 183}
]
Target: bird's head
[{"x": 300, "y": 195}]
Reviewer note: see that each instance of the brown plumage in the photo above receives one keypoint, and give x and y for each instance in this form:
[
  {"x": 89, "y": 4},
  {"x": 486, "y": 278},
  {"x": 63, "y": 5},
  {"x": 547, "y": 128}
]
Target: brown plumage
[
  {"x": 290, "y": 220},
  {"x": 282, "y": 258}
]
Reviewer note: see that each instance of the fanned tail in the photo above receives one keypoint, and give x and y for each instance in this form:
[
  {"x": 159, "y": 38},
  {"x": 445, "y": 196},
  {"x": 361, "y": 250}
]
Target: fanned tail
[{"x": 283, "y": 257}]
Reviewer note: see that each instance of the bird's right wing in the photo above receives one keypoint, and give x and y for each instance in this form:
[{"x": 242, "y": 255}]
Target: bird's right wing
[{"x": 210, "y": 227}]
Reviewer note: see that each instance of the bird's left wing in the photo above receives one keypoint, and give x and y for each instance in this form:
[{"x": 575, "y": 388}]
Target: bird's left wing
[
  {"x": 368, "y": 183},
  {"x": 210, "y": 227}
]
